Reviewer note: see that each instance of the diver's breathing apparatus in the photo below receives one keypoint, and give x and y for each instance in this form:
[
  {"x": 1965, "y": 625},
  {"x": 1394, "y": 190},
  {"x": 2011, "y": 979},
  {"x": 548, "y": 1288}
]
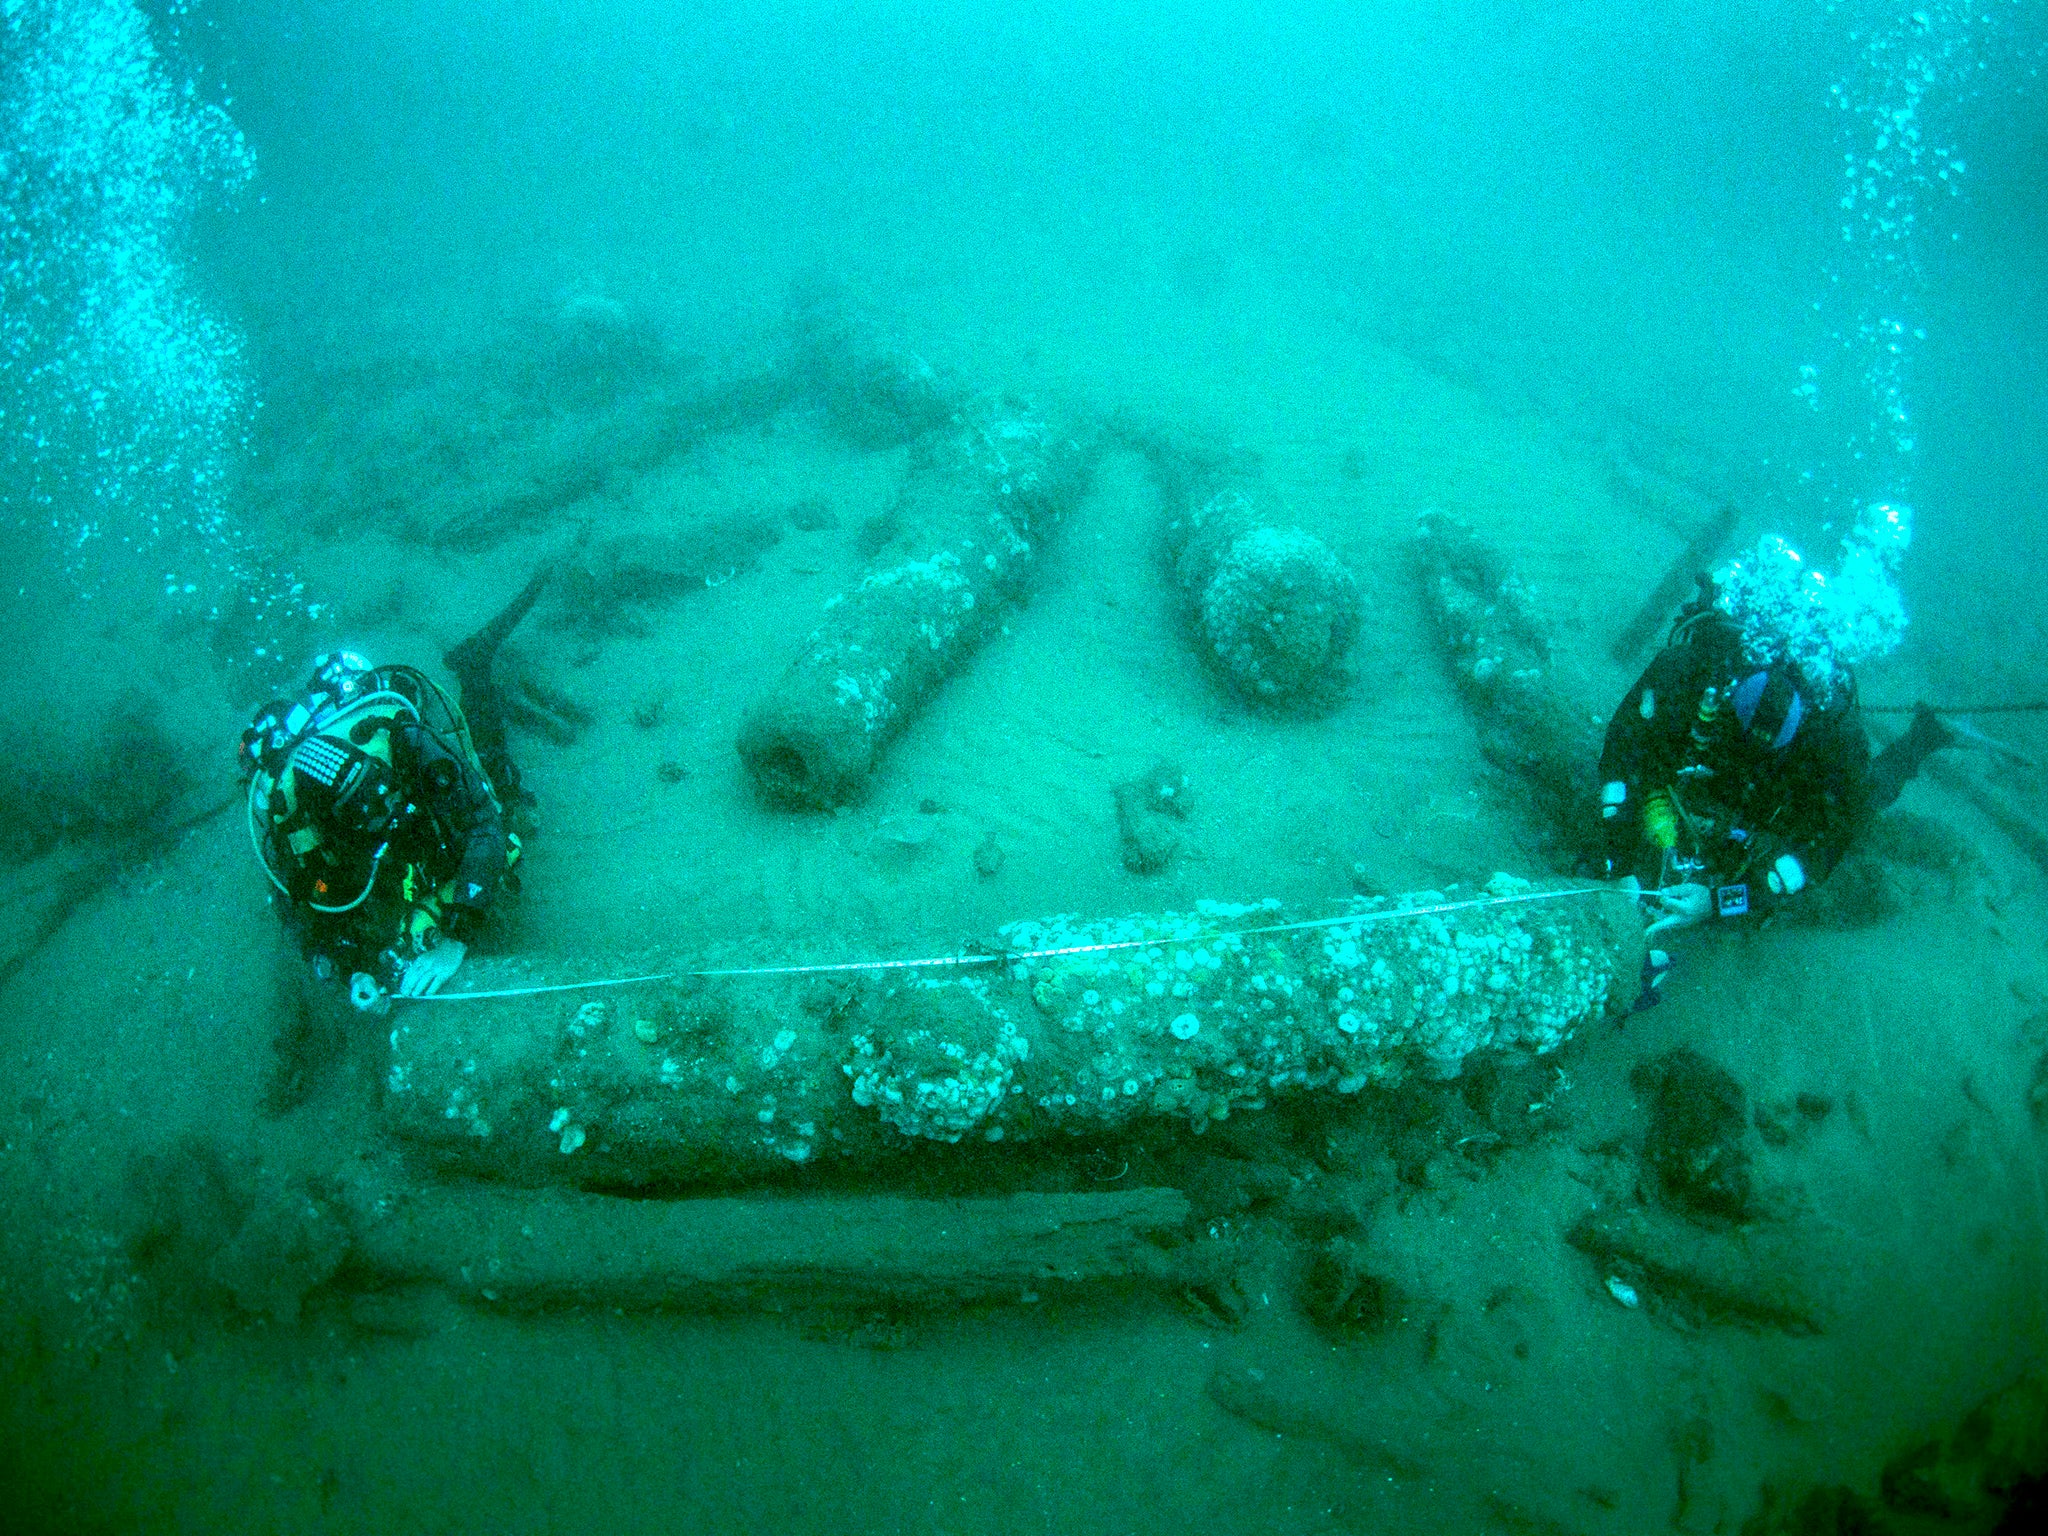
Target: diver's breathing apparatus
[{"x": 1702, "y": 734}]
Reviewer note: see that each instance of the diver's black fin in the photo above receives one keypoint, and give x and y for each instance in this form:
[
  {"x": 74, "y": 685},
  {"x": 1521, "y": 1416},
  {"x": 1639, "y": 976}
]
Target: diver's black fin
[
  {"x": 1656, "y": 969},
  {"x": 471, "y": 660}
]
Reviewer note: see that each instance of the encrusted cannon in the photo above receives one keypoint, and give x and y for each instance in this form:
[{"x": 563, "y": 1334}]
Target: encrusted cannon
[
  {"x": 1081, "y": 1028},
  {"x": 981, "y": 496},
  {"x": 1273, "y": 611},
  {"x": 1531, "y": 709}
]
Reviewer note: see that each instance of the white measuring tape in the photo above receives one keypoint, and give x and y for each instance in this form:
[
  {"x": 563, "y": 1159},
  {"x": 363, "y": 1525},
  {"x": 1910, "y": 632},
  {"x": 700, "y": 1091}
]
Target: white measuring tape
[{"x": 1011, "y": 957}]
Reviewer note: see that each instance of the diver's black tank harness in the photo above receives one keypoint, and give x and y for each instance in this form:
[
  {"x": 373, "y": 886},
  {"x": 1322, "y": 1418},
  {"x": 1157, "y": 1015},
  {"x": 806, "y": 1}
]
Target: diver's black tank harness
[{"x": 366, "y": 808}]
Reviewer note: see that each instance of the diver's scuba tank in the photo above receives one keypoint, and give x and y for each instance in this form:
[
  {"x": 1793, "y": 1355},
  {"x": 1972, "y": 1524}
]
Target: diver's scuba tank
[{"x": 1702, "y": 734}]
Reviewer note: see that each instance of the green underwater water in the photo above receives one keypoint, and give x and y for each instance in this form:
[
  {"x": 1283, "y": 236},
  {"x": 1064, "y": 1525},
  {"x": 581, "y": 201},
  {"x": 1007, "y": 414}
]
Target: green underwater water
[{"x": 518, "y": 284}]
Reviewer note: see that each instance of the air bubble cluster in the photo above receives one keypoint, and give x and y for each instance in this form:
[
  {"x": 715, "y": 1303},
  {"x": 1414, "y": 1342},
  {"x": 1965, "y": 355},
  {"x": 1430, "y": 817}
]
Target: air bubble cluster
[
  {"x": 125, "y": 401},
  {"x": 1824, "y": 623},
  {"x": 1903, "y": 104}
]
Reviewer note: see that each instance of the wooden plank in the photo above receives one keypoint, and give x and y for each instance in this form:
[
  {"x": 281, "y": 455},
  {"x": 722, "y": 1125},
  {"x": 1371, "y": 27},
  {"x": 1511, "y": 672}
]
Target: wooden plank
[{"x": 534, "y": 1249}]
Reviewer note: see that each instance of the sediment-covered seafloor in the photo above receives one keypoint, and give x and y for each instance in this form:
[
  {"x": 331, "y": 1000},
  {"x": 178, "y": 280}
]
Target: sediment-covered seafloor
[{"x": 1084, "y": 1028}]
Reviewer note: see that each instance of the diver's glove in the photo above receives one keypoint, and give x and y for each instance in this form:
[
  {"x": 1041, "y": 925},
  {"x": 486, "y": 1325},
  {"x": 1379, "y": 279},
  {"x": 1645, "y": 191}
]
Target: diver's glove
[
  {"x": 1679, "y": 906},
  {"x": 1787, "y": 876},
  {"x": 425, "y": 973}
]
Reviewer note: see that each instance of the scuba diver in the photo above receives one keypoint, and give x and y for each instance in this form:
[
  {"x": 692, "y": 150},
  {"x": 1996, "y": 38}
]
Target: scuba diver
[
  {"x": 1736, "y": 772},
  {"x": 377, "y": 809}
]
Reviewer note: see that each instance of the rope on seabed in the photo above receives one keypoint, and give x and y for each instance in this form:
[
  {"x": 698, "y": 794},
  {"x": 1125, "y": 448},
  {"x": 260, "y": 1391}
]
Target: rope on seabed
[{"x": 1012, "y": 956}]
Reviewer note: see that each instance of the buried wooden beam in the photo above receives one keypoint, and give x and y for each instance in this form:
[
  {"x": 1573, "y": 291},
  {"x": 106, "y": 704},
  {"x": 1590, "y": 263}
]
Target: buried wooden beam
[
  {"x": 41, "y": 898},
  {"x": 548, "y": 1248}
]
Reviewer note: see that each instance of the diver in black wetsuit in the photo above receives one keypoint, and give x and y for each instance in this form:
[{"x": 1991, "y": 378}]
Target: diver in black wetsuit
[
  {"x": 1727, "y": 788},
  {"x": 376, "y": 805}
]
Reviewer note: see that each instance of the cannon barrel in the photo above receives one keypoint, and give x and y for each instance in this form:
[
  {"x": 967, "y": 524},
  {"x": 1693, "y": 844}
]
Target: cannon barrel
[{"x": 1079, "y": 1028}]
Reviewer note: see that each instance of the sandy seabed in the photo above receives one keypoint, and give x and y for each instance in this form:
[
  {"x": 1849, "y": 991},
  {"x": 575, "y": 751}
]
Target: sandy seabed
[{"x": 1507, "y": 1386}]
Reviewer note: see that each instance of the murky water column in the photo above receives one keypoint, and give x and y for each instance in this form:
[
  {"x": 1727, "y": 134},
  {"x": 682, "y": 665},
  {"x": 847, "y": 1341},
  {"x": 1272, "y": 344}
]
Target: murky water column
[{"x": 124, "y": 400}]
